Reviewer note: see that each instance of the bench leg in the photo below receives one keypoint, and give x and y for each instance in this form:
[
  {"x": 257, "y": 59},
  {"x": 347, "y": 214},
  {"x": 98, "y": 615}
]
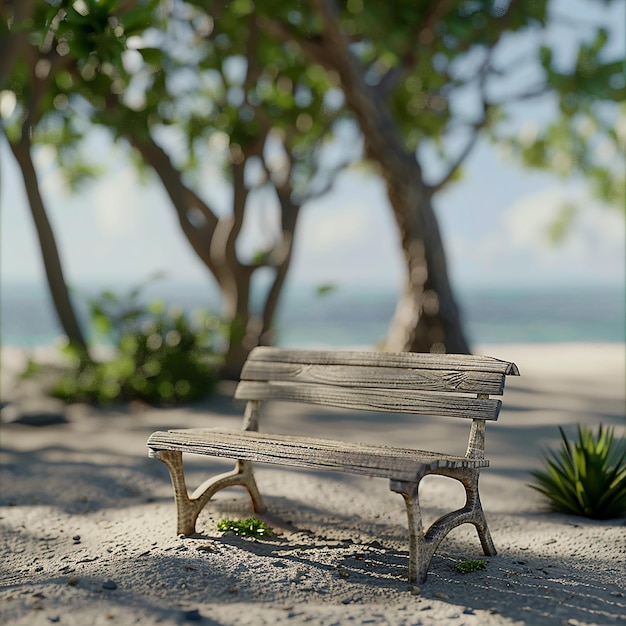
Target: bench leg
[
  {"x": 471, "y": 513},
  {"x": 188, "y": 507},
  {"x": 422, "y": 545},
  {"x": 420, "y": 552}
]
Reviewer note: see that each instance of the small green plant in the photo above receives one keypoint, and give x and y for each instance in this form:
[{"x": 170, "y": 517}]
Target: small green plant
[
  {"x": 158, "y": 356},
  {"x": 473, "y": 565},
  {"x": 249, "y": 527},
  {"x": 586, "y": 477}
]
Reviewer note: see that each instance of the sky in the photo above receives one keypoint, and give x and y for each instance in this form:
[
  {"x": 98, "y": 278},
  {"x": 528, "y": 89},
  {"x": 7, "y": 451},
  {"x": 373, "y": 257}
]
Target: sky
[{"x": 494, "y": 223}]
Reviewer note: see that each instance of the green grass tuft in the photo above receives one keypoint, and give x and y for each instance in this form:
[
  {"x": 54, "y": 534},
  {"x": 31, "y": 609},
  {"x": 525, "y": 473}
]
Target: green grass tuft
[
  {"x": 473, "y": 565},
  {"x": 249, "y": 527}
]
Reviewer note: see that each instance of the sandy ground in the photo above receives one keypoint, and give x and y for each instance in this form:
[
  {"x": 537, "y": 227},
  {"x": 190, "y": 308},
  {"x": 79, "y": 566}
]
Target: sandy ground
[{"x": 88, "y": 521}]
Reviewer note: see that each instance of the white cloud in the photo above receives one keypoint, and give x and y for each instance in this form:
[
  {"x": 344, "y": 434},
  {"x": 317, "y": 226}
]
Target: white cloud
[
  {"x": 594, "y": 228},
  {"x": 519, "y": 249},
  {"x": 333, "y": 229},
  {"x": 349, "y": 237},
  {"x": 117, "y": 203}
]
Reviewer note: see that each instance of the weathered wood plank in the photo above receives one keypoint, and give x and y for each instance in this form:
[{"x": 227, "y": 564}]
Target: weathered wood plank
[
  {"x": 386, "y": 359},
  {"x": 313, "y": 453},
  {"x": 322, "y": 443},
  {"x": 395, "y": 378},
  {"x": 372, "y": 399}
]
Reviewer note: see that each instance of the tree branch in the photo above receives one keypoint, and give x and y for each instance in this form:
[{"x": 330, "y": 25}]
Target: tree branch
[
  {"x": 195, "y": 201},
  {"x": 48, "y": 247},
  {"x": 469, "y": 146},
  {"x": 240, "y": 197},
  {"x": 199, "y": 236},
  {"x": 280, "y": 258},
  {"x": 482, "y": 75},
  {"x": 329, "y": 184}
]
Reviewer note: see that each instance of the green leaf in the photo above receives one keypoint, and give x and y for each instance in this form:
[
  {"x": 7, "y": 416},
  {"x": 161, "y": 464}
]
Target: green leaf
[
  {"x": 136, "y": 21},
  {"x": 152, "y": 56},
  {"x": 323, "y": 290}
]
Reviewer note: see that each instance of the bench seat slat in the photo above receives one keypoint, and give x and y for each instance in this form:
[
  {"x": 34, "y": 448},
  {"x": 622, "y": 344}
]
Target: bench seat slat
[
  {"x": 307, "y": 452},
  {"x": 491, "y": 383},
  {"x": 416, "y": 360},
  {"x": 423, "y": 403}
]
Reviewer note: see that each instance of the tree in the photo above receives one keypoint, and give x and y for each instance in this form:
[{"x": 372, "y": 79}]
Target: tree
[
  {"x": 401, "y": 66},
  {"x": 197, "y": 85},
  {"x": 27, "y": 68},
  {"x": 266, "y": 109}
]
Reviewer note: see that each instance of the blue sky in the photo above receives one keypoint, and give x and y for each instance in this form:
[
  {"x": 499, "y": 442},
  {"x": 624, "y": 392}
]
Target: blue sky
[{"x": 493, "y": 222}]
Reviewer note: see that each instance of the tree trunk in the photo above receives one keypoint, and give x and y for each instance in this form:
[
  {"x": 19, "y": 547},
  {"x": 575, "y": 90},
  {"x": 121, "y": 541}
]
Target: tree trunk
[
  {"x": 427, "y": 317},
  {"x": 214, "y": 242},
  {"x": 50, "y": 254},
  {"x": 283, "y": 255},
  {"x": 249, "y": 331},
  {"x": 244, "y": 328}
]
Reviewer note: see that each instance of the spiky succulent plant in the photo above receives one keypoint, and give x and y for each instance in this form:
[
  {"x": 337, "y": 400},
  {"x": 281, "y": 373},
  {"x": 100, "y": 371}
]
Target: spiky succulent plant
[{"x": 586, "y": 477}]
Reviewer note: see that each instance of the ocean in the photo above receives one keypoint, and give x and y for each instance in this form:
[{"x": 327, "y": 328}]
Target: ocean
[{"x": 358, "y": 316}]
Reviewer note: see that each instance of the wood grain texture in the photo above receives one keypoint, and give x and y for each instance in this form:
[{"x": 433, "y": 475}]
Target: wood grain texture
[
  {"x": 461, "y": 362},
  {"x": 491, "y": 383},
  {"x": 321, "y": 454},
  {"x": 405, "y": 401}
]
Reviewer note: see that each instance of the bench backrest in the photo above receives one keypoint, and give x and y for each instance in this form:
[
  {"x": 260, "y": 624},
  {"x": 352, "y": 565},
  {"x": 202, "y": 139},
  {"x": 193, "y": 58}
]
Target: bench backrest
[{"x": 407, "y": 382}]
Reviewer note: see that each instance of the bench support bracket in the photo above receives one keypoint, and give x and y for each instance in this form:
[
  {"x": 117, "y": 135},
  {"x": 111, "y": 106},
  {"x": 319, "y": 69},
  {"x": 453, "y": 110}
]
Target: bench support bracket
[
  {"x": 188, "y": 507},
  {"x": 422, "y": 545}
]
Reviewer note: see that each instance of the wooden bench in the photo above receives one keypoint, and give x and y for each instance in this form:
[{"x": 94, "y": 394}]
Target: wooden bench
[{"x": 436, "y": 385}]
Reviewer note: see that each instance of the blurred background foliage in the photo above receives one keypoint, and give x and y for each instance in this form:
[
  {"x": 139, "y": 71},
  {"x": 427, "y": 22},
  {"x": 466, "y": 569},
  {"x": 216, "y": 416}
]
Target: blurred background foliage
[{"x": 150, "y": 353}]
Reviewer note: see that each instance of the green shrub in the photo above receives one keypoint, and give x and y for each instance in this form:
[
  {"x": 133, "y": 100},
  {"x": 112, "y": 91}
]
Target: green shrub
[
  {"x": 249, "y": 527},
  {"x": 587, "y": 477},
  {"x": 158, "y": 356}
]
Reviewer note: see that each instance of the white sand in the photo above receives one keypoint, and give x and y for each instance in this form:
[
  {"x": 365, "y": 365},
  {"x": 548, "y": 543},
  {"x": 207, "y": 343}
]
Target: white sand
[{"x": 82, "y": 505}]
